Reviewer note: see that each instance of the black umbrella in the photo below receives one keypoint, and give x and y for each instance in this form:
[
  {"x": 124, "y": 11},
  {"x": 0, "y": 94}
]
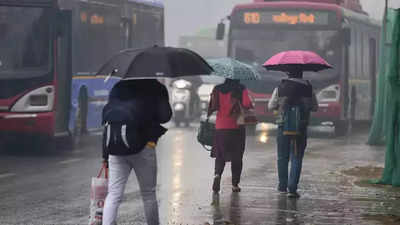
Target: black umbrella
[{"x": 155, "y": 62}]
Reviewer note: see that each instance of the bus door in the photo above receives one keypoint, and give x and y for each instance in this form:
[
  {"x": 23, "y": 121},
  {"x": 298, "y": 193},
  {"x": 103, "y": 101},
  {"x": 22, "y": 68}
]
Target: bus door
[{"x": 63, "y": 71}]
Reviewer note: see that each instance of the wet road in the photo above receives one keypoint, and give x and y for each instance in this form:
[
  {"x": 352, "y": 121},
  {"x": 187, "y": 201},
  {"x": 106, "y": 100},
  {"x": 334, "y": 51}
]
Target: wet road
[{"x": 52, "y": 187}]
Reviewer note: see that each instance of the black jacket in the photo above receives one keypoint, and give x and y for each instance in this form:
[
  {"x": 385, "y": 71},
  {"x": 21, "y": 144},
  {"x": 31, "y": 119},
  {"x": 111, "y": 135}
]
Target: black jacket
[{"x": 151, "y": 101}]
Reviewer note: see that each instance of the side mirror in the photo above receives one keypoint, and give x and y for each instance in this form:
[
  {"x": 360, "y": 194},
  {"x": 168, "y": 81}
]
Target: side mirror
[
  {"x": 347, "y": 36},
  {"x": 220, "y": 31}
]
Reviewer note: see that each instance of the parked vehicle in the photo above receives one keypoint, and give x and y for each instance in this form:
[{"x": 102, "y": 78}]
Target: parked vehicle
[
  {"x": 185, "y": 103},
  {"x": 204, "y": 92},
  {"x": 343, "y": 34},
  {"x": 50, "y": 53},
  {"x": 205, "y": 89}
]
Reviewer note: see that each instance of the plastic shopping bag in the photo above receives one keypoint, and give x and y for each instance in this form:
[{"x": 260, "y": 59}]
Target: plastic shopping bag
[{"x": 98, "y": 193}]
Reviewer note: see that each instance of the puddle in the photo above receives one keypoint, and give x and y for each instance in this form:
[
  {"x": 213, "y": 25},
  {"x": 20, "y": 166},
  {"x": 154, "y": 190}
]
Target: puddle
[
  {"x": 386, "y": 219},
  {"x": 363, "y": 175}
]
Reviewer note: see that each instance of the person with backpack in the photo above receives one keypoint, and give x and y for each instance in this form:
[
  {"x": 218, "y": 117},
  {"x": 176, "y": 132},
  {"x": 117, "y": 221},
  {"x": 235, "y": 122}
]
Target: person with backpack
[
  {"x": 294, "y": 100},
  {"x": 132, "y": 119},
  {"x": 230, "y": 138}
]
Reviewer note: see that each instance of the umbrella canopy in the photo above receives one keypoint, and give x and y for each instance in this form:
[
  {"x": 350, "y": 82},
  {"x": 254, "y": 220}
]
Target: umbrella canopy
[
  {"x": 233, "y": 69},
  {"x": 303, "y": 60},
  {"x": 155, "y": 62}
]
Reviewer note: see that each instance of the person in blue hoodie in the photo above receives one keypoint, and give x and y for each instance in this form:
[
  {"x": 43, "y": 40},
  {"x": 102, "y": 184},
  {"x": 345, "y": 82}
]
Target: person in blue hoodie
[
  {"x": 296, "y": 92},
  {"x": 145, "y": 103}
]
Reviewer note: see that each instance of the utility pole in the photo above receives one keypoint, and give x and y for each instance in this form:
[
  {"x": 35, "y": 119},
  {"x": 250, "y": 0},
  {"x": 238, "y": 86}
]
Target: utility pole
[
  {"x": 385, "y": 19},
  {"x": 386, "y": 6}
]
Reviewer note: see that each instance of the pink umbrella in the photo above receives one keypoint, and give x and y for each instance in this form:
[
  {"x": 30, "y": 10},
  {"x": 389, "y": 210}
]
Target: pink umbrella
[{"x": 303, "y": 60}]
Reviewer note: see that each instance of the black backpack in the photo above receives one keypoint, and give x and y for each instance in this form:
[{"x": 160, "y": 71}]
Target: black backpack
[
  {"x": 124, "y": 123},
  {"x": 295, "y": 115}
]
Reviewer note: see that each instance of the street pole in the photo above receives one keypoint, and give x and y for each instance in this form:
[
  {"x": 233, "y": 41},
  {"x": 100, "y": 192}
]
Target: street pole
[
  {"x": 386, "y": 7},
  {"x": 385, "y": 20}
]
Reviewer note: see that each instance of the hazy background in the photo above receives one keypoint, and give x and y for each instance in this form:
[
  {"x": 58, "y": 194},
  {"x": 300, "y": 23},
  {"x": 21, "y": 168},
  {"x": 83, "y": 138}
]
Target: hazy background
[{"x": 185, "y": 17}]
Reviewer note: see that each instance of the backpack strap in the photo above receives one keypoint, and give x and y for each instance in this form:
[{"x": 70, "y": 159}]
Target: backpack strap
[
  {"x": 123, "y": 135},
  {"x": 108, "y": 134}
]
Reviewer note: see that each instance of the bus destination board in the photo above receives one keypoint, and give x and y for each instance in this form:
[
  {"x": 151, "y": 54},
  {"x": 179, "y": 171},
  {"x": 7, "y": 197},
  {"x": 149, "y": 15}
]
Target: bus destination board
[{"x": 288, "y": 18}]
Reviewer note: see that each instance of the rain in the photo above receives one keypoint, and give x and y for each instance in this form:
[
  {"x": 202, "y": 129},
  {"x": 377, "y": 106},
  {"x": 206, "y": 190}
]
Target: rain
[{"x": 61, "y": 62}]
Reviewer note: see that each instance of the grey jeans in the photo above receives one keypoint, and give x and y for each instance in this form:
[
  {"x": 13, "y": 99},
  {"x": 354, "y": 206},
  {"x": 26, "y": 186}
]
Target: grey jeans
[{"x": 145, "y": 166}]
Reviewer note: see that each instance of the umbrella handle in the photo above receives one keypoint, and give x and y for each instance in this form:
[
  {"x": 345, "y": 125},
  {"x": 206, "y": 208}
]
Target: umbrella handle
[
  {"x": 107, "y": 78},
  {"x": 114, "y": 71}
]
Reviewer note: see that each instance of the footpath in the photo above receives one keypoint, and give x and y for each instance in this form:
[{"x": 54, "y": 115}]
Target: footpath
[{"x": 334, "y": 187}]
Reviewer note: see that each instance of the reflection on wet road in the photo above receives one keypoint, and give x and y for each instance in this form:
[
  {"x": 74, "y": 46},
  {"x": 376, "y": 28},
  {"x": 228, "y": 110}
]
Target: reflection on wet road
[{"x": 53, "y": 187}]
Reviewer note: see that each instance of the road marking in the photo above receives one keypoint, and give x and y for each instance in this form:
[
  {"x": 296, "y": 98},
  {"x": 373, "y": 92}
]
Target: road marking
[
  {"x": 5, "y": 175},
  {"x": 70, "y": 161}
]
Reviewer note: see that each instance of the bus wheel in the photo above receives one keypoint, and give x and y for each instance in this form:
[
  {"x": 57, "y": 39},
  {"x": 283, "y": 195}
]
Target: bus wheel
[
  {"x": 353, "y": 105},
  {"x": 341, "y": 128},
  {"x": 80, "y": 123}
]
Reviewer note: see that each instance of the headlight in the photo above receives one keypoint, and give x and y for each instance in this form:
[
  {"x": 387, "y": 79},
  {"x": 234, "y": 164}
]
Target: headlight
[
  {"x": 182, "y": 84},
  {"x": 38, "y": 100},
  {"x": 263, "y": 138},
  {"x": 179, "y": 107},
  {"x": 329, "y": 94}
]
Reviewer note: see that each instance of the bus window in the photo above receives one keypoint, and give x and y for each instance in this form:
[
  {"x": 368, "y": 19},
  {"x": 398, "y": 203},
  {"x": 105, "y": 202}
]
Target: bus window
[
  {"x": 101, "y": 28},
  {"x": 147, "y": 27},
  {"x": 352, "y": 54},
  {"x": 24, "y": 39},
  {"x": 366, "y": 56},
  {"x": 360, "y": 53},
  {"x": 373, "y": 57},
  {"x": 372, "y": 72}
]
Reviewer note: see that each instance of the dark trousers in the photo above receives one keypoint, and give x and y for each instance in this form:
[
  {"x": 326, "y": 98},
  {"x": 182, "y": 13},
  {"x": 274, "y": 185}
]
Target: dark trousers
[
  {"x": 236, "y": 168},
  {"x": 290, "y": 148}
]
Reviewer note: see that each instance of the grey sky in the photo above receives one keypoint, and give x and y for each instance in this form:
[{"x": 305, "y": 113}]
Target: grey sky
[
  {"x": 188, "y": 16},
  {"x": 185, "y": 17},
  {"x": 376, "y": 7}
]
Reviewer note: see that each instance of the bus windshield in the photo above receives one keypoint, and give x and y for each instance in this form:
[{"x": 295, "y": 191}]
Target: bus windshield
[
  {"x": 24, "y": 42},
  {"x": 256, "y": 46}
]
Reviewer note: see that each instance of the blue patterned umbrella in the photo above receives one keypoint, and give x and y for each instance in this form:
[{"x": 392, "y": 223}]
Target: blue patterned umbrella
[{"x": 233, "y": 69}]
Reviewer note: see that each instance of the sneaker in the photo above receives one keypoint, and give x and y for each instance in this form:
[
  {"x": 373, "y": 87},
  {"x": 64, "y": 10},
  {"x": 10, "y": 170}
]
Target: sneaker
[
  {"x": 216, "y": 184},
  {"x": 293, "y": 195},
  {"x": 282, "y": 191},
  {"x": 236, "y": 188}
]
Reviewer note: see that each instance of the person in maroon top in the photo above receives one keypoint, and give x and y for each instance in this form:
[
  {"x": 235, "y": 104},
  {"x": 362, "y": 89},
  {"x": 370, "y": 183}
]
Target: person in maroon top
[{"x": 230, "y": 138}]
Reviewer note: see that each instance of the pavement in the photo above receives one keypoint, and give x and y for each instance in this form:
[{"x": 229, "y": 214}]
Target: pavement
[{"x": 52, "y": 187}]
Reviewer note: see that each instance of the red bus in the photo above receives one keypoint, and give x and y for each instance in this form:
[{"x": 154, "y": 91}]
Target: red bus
[
  {"x": 50, "y": 52},
  {"x": 338, "y": 30}
]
